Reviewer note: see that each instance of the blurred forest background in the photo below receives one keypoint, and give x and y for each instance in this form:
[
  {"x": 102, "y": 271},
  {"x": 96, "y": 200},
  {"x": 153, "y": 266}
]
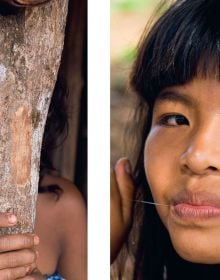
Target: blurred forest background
[{"x": 128, "y": 20}]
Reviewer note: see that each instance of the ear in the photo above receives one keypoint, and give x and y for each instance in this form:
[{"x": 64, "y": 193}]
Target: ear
[{"x": 23, "y": 3}]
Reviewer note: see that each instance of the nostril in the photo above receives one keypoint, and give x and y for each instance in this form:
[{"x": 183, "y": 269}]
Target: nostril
[{"x": 212, "y": 168}]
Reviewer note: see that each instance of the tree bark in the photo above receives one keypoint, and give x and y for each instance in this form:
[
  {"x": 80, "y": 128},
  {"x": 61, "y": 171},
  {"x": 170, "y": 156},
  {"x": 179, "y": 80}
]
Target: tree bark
[{"x": 31, "y": 45}]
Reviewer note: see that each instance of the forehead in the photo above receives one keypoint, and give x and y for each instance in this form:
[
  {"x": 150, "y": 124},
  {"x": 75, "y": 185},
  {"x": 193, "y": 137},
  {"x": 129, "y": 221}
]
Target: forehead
[{"x": 199, "y": 91}]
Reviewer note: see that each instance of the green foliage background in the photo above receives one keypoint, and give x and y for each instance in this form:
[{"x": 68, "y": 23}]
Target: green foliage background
[
  {"x": 128, "y": 53},
  {"x": 130, "y": 5}
]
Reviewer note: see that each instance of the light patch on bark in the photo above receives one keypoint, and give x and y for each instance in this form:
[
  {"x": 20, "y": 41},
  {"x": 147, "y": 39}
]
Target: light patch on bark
[
  {"x": 21, "y": 128},
  {"x": 31, "y": 48},
  {"x": 41, "y": 110},
  {"x": 2, "y": 73}
]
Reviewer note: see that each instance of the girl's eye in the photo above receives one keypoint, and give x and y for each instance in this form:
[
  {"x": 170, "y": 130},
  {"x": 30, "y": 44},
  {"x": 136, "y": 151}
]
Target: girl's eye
[{"x": 173, "y": 120}]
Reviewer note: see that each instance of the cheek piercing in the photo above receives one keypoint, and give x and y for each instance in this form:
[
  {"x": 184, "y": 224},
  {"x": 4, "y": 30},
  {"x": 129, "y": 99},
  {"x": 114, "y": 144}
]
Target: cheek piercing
[{"x": 152, "y": 203}]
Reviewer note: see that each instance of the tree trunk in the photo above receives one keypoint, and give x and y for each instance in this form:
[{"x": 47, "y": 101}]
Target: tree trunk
[{"x": 31, "y": 44}]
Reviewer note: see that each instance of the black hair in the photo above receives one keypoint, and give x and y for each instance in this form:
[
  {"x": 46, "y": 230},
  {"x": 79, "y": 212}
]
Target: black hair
[
  {"x": 55, "y": 132},
  {"x": 182, "y": 44}
]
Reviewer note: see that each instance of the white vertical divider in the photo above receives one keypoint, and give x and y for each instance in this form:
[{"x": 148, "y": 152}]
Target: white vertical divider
[{"x": 98, "y": 139}]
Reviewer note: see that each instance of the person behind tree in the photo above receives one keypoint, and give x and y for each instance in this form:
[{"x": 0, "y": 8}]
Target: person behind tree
[
  {"x": 176, "y": 77},
  {"x": 57, "y": 249}
]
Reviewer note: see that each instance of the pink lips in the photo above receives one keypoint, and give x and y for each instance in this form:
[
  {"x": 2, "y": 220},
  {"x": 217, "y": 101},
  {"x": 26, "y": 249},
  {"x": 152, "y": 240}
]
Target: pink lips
[
  {"x": 194, "y": 211},
  {"x": 198, "y": 205}
]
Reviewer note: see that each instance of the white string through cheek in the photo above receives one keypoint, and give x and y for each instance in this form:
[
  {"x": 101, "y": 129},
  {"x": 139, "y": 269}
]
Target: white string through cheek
[{"x": 152, "y": 203}]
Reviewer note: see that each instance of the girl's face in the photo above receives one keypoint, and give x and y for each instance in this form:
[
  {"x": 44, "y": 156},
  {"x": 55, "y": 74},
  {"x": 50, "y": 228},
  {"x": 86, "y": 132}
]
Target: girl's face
[{"x": 182, "y": 163}]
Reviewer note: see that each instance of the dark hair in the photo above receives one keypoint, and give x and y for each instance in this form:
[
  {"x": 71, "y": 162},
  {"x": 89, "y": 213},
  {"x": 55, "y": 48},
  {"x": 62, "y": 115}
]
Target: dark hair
[
  {"x": 182, "y": 44},
  {"x": 55, "y": 132}
]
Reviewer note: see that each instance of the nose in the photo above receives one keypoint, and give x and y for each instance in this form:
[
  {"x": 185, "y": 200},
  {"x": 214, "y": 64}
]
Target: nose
[{"x": 202, "y": 154}]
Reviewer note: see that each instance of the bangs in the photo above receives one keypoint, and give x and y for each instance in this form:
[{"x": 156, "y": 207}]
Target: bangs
[{"x": 183, "y": 44}]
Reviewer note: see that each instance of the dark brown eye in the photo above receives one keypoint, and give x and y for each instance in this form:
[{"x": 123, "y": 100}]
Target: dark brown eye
[{"x": 173, "y": 120}]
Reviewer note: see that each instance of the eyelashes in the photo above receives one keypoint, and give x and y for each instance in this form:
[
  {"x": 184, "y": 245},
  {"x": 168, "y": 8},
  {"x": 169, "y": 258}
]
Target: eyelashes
[{"x": 173, "y": 120}]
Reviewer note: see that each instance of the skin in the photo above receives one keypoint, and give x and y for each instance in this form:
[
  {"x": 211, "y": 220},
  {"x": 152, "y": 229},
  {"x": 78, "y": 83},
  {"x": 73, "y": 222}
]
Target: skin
[
  {"x": 122, "y": 193},
  {"x": 182, "y": 154},
  {"x": 59, "y": 241}
]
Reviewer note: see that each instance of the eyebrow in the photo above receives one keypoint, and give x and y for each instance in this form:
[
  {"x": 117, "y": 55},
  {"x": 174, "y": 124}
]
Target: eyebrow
[{"x": 174, "y": 96}]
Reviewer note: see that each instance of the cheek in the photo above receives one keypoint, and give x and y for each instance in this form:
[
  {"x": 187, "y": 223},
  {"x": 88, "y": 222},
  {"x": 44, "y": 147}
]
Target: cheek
[
  {"x": 158, "y": 163},
  {"x": 155, "y": 163},
  {"x": 161, "y": 160}
]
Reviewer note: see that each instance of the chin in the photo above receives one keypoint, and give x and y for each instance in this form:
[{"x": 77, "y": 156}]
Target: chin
[{"x": 197, "y": 248}]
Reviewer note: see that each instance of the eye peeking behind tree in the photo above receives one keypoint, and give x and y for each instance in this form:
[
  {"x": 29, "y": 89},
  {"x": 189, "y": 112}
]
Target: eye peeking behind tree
[
  {"x": 11, "y": 7},
  {"x": 23, "y": 3}
]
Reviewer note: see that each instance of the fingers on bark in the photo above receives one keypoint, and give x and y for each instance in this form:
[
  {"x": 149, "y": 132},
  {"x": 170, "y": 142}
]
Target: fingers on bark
[
  {"x": 17, "y": 258},
  {"x": 13, "y": 273},
  {"x": 7, "y": 220},
  {"x": 16, "y": 242},
  {"x": 31, "y": 277}
]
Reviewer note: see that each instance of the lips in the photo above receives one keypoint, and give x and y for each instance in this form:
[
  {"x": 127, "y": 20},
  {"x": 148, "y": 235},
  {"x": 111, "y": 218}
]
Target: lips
[{"x": 197, "y": 205}]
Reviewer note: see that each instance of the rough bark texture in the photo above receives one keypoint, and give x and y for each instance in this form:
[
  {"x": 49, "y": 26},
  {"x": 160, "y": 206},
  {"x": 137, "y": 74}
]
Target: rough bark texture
[{"x": 31, "y": 44}]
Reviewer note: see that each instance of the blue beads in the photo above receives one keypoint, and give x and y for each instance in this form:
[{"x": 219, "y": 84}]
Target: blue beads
[{"x": 55, "y": 276}]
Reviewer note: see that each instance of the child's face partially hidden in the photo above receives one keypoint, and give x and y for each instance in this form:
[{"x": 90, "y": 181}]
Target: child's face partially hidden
[{"x": 182, "y": 163}]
